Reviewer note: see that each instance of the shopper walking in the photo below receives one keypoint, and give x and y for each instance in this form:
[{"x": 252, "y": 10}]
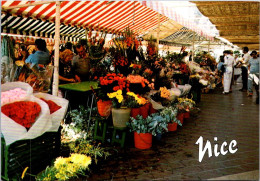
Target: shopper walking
[
  {"x": 246, "y": 58},
  {"x": 253, "y": 72},
  {"x": 228, "y": 62}
]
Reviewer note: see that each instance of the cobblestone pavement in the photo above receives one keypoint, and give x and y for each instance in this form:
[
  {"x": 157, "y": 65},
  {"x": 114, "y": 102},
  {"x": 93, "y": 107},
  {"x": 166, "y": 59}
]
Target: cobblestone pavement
[{"x": 227, "y": 117}]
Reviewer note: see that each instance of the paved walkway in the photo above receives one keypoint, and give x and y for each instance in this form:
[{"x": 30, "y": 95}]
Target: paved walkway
[{"x": 227, "y": 117}]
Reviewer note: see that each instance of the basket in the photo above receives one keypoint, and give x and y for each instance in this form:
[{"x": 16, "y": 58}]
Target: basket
[{"x": 33, "y": 153}]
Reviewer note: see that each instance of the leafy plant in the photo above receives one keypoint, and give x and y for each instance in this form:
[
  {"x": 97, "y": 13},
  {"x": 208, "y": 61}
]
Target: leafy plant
[
  {"x": 80, "y": 125},
  {"x": 138, "y": 124},
  {"x": 157, "y": 124},
  {"x": 153, "y": 124},
  {"x": 86, "y": 147},
  {"x": 170, "y": 114}
]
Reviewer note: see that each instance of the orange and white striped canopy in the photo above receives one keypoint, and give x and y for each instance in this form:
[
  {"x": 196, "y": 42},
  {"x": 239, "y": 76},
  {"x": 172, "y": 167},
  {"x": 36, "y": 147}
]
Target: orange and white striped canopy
[{"x": 113, "y": 16}]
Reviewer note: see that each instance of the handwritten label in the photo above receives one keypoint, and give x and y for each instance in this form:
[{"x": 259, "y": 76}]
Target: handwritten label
[{"x": 208, "y": 148}]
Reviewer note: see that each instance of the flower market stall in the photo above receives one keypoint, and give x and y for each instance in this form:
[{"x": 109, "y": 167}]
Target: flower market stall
[{"x": 136, "y": 95}]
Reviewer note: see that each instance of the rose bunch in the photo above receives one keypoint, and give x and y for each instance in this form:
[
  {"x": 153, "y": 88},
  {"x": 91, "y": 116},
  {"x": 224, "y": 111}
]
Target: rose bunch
[
  {"x": 23, "y": 112},
  {"x": 52, "y": 105},
  {"x": 12, "y": 95}
]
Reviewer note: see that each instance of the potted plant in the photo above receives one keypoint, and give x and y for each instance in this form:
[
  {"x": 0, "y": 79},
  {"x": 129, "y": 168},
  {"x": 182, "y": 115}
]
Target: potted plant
[
  {"x": 184, "y": 106},
  {"x": 141, "y": 129},
  {"x": 120, "y": 111},
  {"x": 157, "y": 125},
  {"x": 170, "y": 114},
  {"x": 108, "y": 84}
]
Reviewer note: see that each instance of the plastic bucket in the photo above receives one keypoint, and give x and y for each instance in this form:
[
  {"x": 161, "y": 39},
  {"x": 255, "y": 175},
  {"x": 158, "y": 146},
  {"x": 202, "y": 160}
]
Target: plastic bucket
[
  {"x": 104, "y": 108},
  {"x": 172, "y": 126},
  {"x": 143, "y": 140}
]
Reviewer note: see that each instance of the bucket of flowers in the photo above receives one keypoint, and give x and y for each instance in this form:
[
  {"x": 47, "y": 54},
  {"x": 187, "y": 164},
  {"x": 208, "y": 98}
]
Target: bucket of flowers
[
  {"x": 184, "y": 106},
  {"x": 139, "y": 105},
  {"x": 110, "y": 83},
  {"x": 170, "y": 114}
]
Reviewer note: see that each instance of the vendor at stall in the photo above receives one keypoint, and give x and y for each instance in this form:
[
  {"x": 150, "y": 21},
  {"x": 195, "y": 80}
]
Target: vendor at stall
[
  {"x": 66, "y": 71},
  {"x": 81, "y": 63}
]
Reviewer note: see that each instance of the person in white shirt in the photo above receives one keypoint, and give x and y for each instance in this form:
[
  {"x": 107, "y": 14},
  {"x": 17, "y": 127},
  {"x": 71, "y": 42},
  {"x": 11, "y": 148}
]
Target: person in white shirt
[
  {"x": 228, "y": 63},
  {"x": 244, "y": 67}
]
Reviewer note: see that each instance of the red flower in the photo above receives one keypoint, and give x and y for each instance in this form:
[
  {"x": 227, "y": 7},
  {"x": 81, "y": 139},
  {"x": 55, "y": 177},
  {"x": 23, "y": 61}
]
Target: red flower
[
  {"x": 52, "y": 105},
  {"x": 23, "y": 112}
]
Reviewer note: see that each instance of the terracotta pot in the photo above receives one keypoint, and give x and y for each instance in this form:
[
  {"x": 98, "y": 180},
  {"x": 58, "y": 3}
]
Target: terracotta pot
[
  {"x": 144, "y": 111},
  {"x": 143, "y": 140},
  {"x": 180, "y": 117},
  {"x": 135, "y": 112},
  {"x": 104, "y": 108},
  {"x": 186, "y": 115},
  {"x": 120, "y": 117},
  {"x": 172, "y": 126}
]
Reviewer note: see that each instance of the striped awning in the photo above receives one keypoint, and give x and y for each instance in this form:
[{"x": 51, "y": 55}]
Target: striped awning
[
  {"x": 111, "y": 16},
  {"x": 38, "y": 28}
]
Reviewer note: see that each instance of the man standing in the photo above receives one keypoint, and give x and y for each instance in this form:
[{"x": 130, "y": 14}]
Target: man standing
[
  {"x": 228, "y": 63},
  {"x": 246, "y": 58},
  {"x": 81, "y": 63},
  {"x": 254, "y": 72}
]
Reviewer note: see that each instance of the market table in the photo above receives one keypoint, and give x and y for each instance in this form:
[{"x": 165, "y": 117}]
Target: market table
[{"x": 81, "y": 87}]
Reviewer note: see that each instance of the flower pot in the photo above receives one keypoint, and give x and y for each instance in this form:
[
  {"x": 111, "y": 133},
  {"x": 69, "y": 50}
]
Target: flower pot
[
  {"x": 152, "y": 110},
  {"x": 143, "y": 140},
  {"x": 135, "y": 112},
  {"x": 144, "y": 111},
  {"x": 172, "y": 126},
  {"x": 120, "y": 117},
  {"x": 186, "y": 115},
  {"x": 180, "y": 117},
  {"x": 104, "y": 108}
]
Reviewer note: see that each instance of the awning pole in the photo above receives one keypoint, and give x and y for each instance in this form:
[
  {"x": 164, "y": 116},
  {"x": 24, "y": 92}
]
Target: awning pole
[
  {"x": 55, "y": 86},
  {"x": 158, "y": 31},
  {"x": 193, "y": 38}
]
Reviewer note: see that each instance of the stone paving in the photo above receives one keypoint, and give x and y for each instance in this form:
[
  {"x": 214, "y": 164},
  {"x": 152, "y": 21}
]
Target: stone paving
[{"x": 227, "y": 117}]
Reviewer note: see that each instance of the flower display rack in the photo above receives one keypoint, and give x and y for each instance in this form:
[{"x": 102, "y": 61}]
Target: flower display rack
[{"x": 34, "y": 153}]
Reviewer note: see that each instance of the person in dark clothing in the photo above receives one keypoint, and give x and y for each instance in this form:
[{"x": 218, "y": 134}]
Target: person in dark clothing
[{"x": 244, "y": 68}]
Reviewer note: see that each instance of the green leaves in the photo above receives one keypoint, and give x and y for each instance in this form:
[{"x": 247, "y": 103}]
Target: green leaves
[{"x": 153, "y": 124}]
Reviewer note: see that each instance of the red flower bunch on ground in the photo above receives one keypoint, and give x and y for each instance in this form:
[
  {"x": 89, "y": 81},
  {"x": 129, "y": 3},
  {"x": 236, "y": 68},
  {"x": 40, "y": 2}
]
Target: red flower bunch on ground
[
  {"x": 52, "y": 105},
  {"x": 23, "y": 112},
  {"x": 122, "y": 61}
]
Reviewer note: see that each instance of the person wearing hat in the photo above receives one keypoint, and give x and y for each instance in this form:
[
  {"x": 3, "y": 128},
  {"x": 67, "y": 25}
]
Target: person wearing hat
[
  {"x": 228, "y": 63},
  {"x": 253, "y": 68}
]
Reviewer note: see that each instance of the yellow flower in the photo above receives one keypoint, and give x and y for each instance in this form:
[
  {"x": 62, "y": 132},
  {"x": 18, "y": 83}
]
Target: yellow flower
[
  {"x": 164, "y": 92},
  {"x": 60, "y": 161},
  {"x": 24, "y": 171},
  {"x": 82, "y": 160}
]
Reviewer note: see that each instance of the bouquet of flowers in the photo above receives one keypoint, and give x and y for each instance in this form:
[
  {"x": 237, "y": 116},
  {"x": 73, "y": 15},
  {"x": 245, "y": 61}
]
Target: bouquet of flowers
[
  {"x": 135, "y": 101},
  {"x": 139, "y": 84},
  {"x": 110, "y": 83},
  {"x": 185, "y": 104}
]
